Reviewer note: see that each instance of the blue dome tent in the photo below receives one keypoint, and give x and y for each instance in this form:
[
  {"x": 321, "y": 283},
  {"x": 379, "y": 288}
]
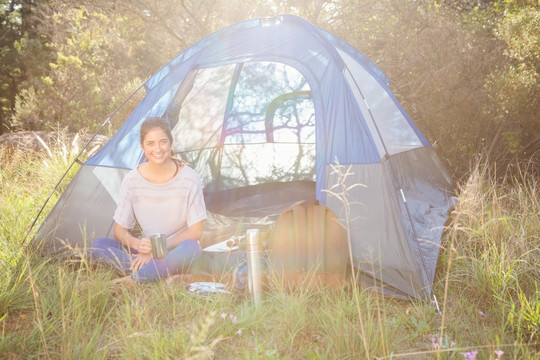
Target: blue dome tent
[{"x": 281, "y": 101}]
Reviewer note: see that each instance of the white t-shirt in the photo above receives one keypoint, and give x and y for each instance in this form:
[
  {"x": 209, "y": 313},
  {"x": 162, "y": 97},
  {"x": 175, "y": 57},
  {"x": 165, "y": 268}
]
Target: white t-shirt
[{"x": 168, "y": 208}]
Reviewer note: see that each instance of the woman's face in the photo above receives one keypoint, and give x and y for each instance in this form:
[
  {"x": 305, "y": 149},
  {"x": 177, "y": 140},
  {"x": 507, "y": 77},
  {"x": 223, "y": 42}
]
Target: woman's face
[{"x": 157, "y": 146}]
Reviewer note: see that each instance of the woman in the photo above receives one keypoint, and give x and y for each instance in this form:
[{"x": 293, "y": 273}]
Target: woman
[{"x": 162, "y": 195}]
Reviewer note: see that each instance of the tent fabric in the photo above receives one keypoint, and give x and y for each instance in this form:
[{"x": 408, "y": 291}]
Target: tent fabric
[
  {"x": 281, "y": 101},
  {"x": 387, "y": 239},
  {"x": 84, "y": 210}
]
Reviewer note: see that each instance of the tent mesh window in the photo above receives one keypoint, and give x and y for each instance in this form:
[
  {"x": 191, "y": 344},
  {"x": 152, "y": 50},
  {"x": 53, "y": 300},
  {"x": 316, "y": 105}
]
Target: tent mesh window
[{"x": 246, "y": 124}]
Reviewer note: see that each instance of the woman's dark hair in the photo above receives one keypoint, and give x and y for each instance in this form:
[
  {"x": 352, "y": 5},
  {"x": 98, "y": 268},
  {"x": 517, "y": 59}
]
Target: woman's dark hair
[
  {"x": 155, "y": 122},
  {"x": 159, "y": 122}
]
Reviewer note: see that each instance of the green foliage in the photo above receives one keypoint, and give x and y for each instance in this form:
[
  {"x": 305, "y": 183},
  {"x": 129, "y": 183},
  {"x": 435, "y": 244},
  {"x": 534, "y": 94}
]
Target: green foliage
[
  {"x": 19, "y": 38},
  {"x": 520, "y": 30},
  {"x": 495, "y": 237},
  {"x": 11, "y": 64},
  {"x": 513, "y": 87},
  {"x": 523, "y": 316},
  {"x": 28, "y": 108},
  {"x": 86, "y": 73}
]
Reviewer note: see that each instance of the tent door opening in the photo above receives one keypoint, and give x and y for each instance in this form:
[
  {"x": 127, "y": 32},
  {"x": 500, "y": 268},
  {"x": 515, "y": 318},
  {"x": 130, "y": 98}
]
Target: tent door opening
[{"x": 246, "y": 124}]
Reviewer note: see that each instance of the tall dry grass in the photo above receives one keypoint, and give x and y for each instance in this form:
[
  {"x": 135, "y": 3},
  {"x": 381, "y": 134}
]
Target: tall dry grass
[
  {"x": 494, "y": 251},
  {"x": 486, "y": 282}
]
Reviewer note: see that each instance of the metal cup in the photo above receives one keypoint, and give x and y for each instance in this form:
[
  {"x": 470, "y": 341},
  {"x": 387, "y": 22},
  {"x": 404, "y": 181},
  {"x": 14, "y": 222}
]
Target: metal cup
[{"x": 159, "y": 245}]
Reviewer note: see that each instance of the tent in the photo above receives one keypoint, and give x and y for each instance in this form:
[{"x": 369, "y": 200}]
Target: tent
[{"x": 270, "y": 111}]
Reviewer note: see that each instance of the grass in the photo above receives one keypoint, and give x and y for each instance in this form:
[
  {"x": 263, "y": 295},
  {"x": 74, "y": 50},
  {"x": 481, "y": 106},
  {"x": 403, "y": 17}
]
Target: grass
[{"x": 486, "y": 282}]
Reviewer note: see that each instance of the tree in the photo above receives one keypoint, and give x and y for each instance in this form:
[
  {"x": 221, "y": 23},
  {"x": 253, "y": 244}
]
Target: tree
[
  {"x": 11, "y": 75},
  {"x": 95, "y": 56},
  {"x": 514, "y": 86}
]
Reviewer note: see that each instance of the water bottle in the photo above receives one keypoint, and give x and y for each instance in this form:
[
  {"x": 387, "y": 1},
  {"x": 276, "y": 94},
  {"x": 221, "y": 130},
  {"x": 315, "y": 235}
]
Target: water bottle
[{"x": 254, "y": 258}]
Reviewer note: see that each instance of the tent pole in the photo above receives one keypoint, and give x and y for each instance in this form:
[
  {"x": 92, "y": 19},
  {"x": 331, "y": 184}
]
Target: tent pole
[{"x": 76, "y": 160}]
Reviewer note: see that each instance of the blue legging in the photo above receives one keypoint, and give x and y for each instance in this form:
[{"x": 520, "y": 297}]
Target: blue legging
[{"x": 114, "y": 254}]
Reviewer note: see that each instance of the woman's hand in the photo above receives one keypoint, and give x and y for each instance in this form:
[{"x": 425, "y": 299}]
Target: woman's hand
[
  {"x": 145, "y": 246},
  {"x": 140, "y": 260}
]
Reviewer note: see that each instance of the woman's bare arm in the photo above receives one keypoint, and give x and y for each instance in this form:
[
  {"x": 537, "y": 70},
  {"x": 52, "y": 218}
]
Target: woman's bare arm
[
  {"x": 123, "y": 235},
  {"x": 194, "y": 232}
]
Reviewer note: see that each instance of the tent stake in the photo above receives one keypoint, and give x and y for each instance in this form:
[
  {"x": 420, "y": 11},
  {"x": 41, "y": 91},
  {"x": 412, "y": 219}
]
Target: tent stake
[{"x": 436, "y": 303}]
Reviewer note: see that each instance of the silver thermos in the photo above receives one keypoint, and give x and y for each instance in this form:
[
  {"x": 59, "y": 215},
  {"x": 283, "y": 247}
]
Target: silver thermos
[{"x": 254, "y": 256}]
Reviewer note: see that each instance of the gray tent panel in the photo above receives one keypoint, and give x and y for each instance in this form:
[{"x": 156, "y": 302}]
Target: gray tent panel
[
  {"x": 377, "y": 229},
  {"x": 83, "y": 212},
  {"x": 381, "y": 222},
  {"x": 425, "y": 184}
]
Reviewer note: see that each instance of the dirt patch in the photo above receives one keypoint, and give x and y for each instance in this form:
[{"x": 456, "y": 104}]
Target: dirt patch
[{"x": 15, "y": 323}]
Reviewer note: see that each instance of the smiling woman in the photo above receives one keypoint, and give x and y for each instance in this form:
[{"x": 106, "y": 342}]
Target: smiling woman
[
  {"x": 156, "y": 143},
  {"x": 161, "y": 196}
]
